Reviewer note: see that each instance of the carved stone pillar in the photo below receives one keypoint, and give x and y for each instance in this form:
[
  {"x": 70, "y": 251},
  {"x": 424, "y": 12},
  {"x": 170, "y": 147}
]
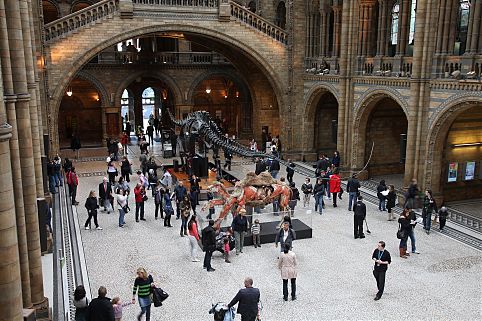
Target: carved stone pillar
[
  {"x": 383, "y": 28},
  {"x": 337, "y": 29},
  {"x": 324, "y": 27},
  {"x": 474, "y": 33},
  {"x": 403, "y": 27}
]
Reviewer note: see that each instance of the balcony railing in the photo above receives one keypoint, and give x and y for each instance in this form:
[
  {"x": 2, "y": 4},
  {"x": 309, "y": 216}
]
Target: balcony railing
[
  {"x": 179, "y": 3},
  {"x": 169, "y": 58}
]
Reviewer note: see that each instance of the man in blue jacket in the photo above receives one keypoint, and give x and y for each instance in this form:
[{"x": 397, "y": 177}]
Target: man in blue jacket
[{"x": 248, "y": 299}]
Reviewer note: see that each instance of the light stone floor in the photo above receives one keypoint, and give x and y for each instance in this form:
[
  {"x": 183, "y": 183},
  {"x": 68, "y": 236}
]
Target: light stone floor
[{"x": 335, "y": 279}]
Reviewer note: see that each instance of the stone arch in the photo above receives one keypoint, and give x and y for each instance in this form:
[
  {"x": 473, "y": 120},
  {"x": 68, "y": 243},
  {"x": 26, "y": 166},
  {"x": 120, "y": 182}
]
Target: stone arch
[
  {"x": 77, "y": 2},
  {"x": 314, "y": 94},
  {"x": 362, "y": 110},
  {"x": 439, "y": 126},
  {"x": 55, "y": 5},
  {"x": 169, "y": 81},
  {"x": 104, "y": 96}
]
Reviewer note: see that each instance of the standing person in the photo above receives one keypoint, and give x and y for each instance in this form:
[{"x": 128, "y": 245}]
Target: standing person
[
  {"x": 58, "y": 171},
  {"x": 307, "y": 189},
  {"x": 411, "y": 195},
  {"x": 92, "y": 206},
  {"x": 253, "y": 146},
  {"x": 100, "y": 308},
  {"x": 139, "y": 194},
  {"x": 143, "y": 161},
  {"x": 391, "y": 199},
  {"x": 193, "y": 238},
  {"x": 153, "y": 181},
  {"x": 295, "y": 197},
  {"x": 156, "y": 125},
  {"x": 123, "y": 186},
  {"x": 248, "y": 299},
  {"x": 111, "y": 171},
  {"x": 429, "y": 206},
  {"x": 443, "y": 213},
  {"x": 167, "y": 206},
  {"x": 412, "y": 217},
  {"x": 126, "y": 169},
  {"x": 128, "y": 130},
  {"x": 335, "y": 186},
  {"x": 335, "y": 161},
  {"x": 228, "y": 157},
  {"x": 382, "y": 187},
  {"x": 158, "y": 197},
  {"x": 143, "y": 285},
  {"x": 208, "y": 237},
  {"x": 287, "y": 263},
  {"x": 166, "y": 179},
  {"x": 256, "y": 232},
  {"x": 318, "y": 192},
  {"x": 51, "y": 175},
  {"x": 73, "y": 182},
  {"x": 212, "y": 210},
  {"x": 326, "y": 181},
  {"x": 185, "y": 213},
  {"x": 124, "y": 142},
  {"x": 274, "y": 168},
  {"x": 105, "y": 192},
  {"x": 179, "y": 193},
  {"x": 290, "y": 171},
  {"x": 67, "y": 165},
  {"x": 150, "y": 134},
  {"x": 81, "y": 303},
  {"x": 353, "y": 189},
  {"x": 285, "y": 235},
  {"x": 360, "y": 213},
  {"x": 123, "y": 208},
  {"x": 240, "y": 228},
  {"x": 382, "y": 258},
  {"x": 195, "y": 188},
  {"x": 406, "y": 228}
]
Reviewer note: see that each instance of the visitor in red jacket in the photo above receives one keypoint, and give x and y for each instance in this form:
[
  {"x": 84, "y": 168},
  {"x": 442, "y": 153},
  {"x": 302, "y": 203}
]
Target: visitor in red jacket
[{"x": 335, "y": 186}]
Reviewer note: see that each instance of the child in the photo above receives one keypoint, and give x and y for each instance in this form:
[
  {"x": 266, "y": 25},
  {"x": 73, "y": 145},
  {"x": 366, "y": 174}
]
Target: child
[
  {"x": 226, "y": 250},
  {"x": 255, "y": 230},
  {"x": 118, "y": 305}
]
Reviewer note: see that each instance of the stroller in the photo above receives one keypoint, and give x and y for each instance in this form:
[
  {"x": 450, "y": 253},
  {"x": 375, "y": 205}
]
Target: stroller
[
  {"x": 222, "y": 312},
  {"x": 220, "y": 240}
]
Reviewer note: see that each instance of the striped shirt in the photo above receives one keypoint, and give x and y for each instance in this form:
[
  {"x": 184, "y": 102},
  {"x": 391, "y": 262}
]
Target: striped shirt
[
  {"x": 142, "y": 287},
  {"x": 255, "y": 228}
]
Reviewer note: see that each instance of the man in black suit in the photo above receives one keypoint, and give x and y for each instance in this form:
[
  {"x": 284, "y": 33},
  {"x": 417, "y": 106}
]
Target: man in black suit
[
  {"x": 360, "y": 213},
  {"x": 208, "y": 237},
  {"x": 248, "y": 299},
  {"x": 105, "y": 193}
]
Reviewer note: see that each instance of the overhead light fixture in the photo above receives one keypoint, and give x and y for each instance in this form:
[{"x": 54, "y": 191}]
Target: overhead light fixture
[
  {"x": 225, "y": 96},
  {"x": 69, "y": 92},
  {"x": 467, "y": 145},
  {"x": 237, "y": 94},
  {"x": 208, "y": 90}
]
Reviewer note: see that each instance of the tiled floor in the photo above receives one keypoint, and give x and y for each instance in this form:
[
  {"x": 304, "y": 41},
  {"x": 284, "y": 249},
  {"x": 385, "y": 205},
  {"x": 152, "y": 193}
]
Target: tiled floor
[{"x": 335, "y": 271}]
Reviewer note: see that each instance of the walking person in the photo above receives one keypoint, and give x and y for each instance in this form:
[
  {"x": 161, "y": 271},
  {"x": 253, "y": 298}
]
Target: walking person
[
  {"x": 139, "y": 194},
  {"x": 288, "y": 264},
  {"x": 382, "y": 258},
  {"x": 179, "y": 193},
  {"x": 274, "y": 168},
  {"x": 143, "y": 285},
  {"x": 92, "y": 206},
  {"x": 158, "y": 197},
  {"x": 335, "y": 161},
  {"x": 326, "y": 181},
  {"x": 72, "y": 182},
  {"x": 381, "y": 198},
  {"x": 100, "y": 308},
  {"x": 81, "y": 303},
  {"x": 391, "y": 200},
  {"x": 294, "y": 198},
  {"x": 123, "y": 207},
  {"x": 360, "y": 213},
  {"x": 111, "y": 171},
  {"x": 240, "y": 228},
  {"x": 208, "y": 237},
  {"x": 51, "y": 176},
  {"x": 318, "y": 192},
  {"x": 247, "y": 300},
  {"x": 443, "y": 213},
  {"x": 412, "y": 217},
  {"x": 429, "y": 206},
  {"x": 193, "y": 238},
  {"x": 256, "y": 232},
  {"x": 185, "y": 213},
  {"x": 285, "y": 235},
  {"x": 353, "y": 189},
  {"x": 411, "y": 195},
  {"x": 58, "y": 171},
  {"x": 335, "y": 186},
  {"x": 290, "y": 171},
  {"x": 105, "y": 193},
  {"x": 167, "y": 207},
  {"x": 228, "y": 157},
  {"x": 405, "y": 228},
  {"x": 307, "y": 189}
]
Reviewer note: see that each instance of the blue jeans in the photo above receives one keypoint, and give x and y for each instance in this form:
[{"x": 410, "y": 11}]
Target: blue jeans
[
  {"x": 381, "y": 204},
  {"x": 184, "y": 224},
  {"x": 276, "y": 207},
  {"x": 58, "y": 178},
  {"x": 411, "y": 235},
  {"x": 121, "y": 217},
  {"x": 274, "y": 174},
  {"x": 327, "y": 189},
  {"x": 427, "y": 220},
  {"x": 52, "y": 184},
  {"x": 145, "y": 304},
  {"x": 352, "y": 196},
  {"x": 403, "y": 242},
  {"x": 319, "y": 203}
]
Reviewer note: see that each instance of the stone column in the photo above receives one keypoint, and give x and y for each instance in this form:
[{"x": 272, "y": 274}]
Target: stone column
[
  {"x": 336, "y": 29},
  {"x": 403, "y": 27},
  {"x": 361, "y": 29},
  {"x": 370, "y": 30},
  {"x": 14, "y": 161},
  {"x": 22, "y": 109},
  {"x": 474, "y": 32},
  {"x": 383, "y": 24},
  {"x": 324, "y": 24}
]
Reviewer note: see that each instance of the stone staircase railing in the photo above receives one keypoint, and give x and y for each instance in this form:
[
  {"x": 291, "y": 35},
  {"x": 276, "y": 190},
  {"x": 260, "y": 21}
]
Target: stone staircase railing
[
  {"x": 81, "y": 18},
  {"x": 180, "y": 3},
  {"x": 247, "y": 17}
]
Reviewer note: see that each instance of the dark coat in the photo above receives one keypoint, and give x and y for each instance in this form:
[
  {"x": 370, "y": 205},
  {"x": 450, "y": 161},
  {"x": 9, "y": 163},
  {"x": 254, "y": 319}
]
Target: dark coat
[
  {"x": 274, "y": 165},
  {"x": 240, "y": 223},
  {"x": 248, "y": 299},
  {"x": 260, "y": 167},
  {"x": 360, "y": 209},
  {"x": 353, "y": 185},
  {"x": 289, "y": 240},
  {"x": 91, "y": 204},
  {"x": 208, "y": 236},
  {"x": 100, "y": 309},
  {"x": 104, "y": 193},
  {"x": 391, "y": 199}
]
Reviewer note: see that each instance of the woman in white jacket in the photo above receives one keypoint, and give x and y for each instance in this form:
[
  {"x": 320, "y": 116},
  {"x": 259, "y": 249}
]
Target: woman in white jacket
[{"x": 288, "y": 265}]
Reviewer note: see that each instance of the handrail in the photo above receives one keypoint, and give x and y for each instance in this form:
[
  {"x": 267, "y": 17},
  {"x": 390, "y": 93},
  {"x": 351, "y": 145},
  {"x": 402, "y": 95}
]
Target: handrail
[
  {"x": 78, "y": 19},
  {"x": 179, "y": 3},
  {"x": 261, "y": 24}
]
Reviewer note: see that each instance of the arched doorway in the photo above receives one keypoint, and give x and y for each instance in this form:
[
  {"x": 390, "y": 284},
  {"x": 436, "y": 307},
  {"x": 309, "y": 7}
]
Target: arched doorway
[
  {"x": 127, "y": 108},
  {"x": 462, "y": 157},
  {"x": 228, "y": 102},
  {"x": 386, "y": 130},
  {"x": 50, "y": 11},
  {"x": 326, "y": 124},
  {"x": 281, "y": 15},
  {"x": 81, "y": 115}
]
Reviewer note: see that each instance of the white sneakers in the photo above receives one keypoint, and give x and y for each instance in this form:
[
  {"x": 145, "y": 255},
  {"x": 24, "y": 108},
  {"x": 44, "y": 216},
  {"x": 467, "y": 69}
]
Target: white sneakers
[
  {"x": 196, "y": 260},
  {"x": 98, "y": 228},
  {"x": 87, "y": 228}
]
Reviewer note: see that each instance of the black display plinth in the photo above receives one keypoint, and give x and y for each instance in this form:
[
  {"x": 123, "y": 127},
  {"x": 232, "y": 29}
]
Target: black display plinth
[{"x": 270, "y": 229}]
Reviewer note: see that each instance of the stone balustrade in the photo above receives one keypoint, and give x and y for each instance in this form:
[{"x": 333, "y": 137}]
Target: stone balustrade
[
  {"x": 168, "y": 58},
  {"x": 179, "y": 3},
  {"x": 81, "y": 18},
  {"x": 247, "y": 17}
]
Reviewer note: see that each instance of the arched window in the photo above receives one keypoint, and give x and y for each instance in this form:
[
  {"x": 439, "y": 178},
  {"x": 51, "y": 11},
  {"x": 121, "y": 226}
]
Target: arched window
[
  {"x": 50, "y": 11},
  {"x": 462, "y": 26},
  {"x": 281, "y": 15},
  {"x": 125, "y": 107},
  {"x": 148, "y": 102},
  {"x": 395, "y": 15},
  {"x": 413, "y": 13}
]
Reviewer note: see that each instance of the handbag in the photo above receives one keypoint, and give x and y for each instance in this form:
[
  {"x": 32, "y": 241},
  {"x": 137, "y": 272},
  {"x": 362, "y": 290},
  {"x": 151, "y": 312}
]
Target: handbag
[
  {"x": 144, "y": 198},
  {"x": 159, "y": 296},
  {"x": 400, "y": 232}
]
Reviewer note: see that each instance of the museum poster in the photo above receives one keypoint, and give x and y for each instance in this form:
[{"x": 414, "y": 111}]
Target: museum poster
[
  {"x": 453, "y": 167},
  {"x": 470, "y": 171}
]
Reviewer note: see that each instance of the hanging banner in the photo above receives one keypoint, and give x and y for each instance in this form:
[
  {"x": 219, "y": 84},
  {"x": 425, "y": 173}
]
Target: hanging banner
[
  {"x": 470, "y": 171},
  {"x": 453, "y": 167}
]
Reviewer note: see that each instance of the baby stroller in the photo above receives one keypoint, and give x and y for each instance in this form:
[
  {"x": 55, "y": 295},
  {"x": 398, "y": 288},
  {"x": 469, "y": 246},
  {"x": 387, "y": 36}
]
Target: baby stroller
[
  {"x": 220, "y": 241},
  {"x": 222, "y": 312}
]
